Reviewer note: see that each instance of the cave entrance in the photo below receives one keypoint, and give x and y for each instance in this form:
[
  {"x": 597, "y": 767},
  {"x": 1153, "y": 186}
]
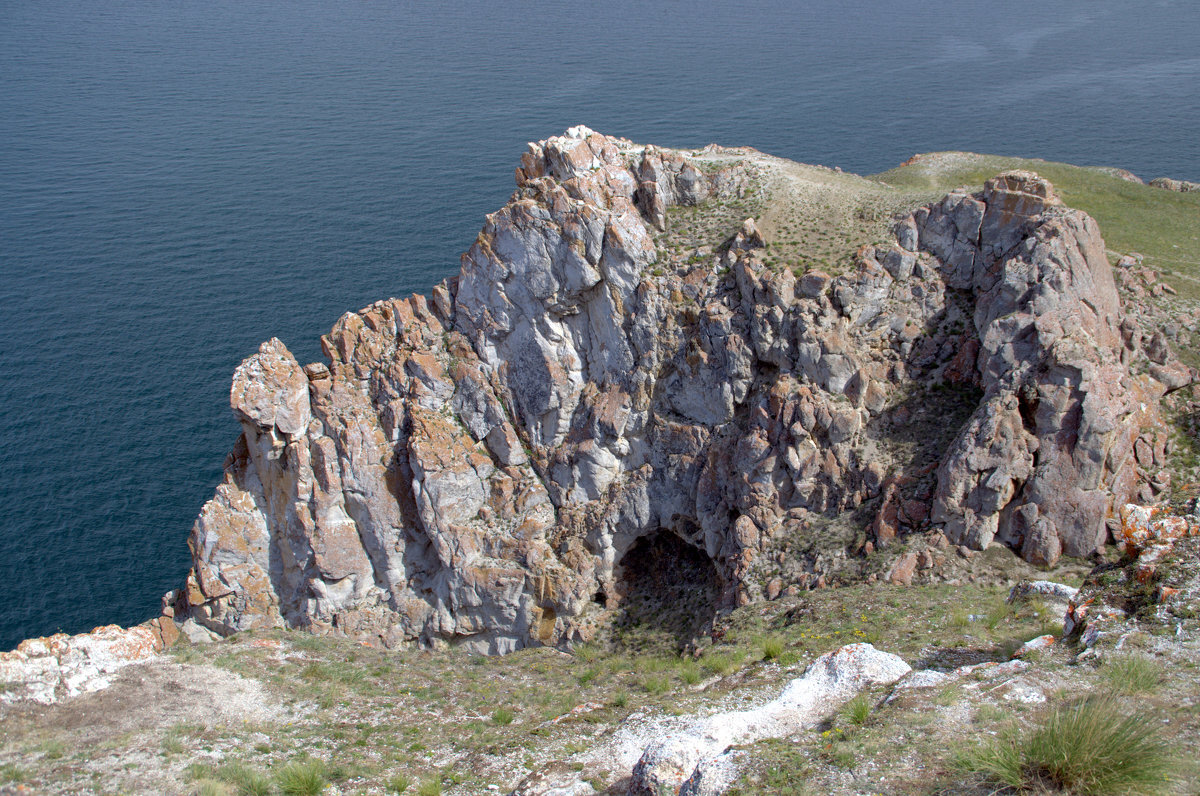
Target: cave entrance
[{"x": 667, "y": 592}]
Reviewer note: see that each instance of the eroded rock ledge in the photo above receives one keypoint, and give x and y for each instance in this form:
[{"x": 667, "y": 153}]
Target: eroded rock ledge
[{"x": 471, "y": 467}]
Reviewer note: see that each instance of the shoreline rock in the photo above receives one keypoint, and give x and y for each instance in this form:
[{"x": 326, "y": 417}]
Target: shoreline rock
[
  {"x": 51, "y": 668},
  {"x": 473, "y": 467}
]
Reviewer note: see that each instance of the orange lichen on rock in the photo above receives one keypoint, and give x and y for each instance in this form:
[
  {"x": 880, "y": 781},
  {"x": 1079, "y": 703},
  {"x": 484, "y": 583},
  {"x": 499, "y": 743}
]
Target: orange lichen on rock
[{"x": 1146, "y": 526}]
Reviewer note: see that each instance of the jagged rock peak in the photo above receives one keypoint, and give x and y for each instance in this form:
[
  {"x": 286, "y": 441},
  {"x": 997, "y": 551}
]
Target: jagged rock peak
[{"x": 475, "y": 467}]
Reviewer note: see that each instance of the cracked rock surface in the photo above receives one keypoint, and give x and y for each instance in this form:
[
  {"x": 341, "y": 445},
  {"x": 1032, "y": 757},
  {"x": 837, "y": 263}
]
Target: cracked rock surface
[{"x": 472, "y": 467}]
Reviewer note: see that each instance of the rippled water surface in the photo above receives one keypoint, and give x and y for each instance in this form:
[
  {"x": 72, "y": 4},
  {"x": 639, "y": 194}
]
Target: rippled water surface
[{"x": 181, "y": 180}]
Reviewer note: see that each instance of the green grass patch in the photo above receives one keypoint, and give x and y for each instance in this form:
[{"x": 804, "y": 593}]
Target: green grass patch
[
  {"x": 430, "y": 787},
  {"x": 245, "y": 781},
  {"x": 772, "y": 648},
  {"x": 12, "y": 773},
  {"x": 301, "y": 778},
  {"x": 1133, "y": 674},
  {"x": 210, "y": 787},
  {"x": 656, "y": 683},
  {"x": 722, "y": 662},
  {"x": 53, "y": 750},
  {"x": 689, "y": 673},
  {"x": 1091, "y": 747},
  {"x": 858, "y": 710}
]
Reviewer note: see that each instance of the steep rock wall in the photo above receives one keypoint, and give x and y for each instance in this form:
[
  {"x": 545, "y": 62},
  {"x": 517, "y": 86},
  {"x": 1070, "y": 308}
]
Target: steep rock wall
[{"x": 472, "y": 467}]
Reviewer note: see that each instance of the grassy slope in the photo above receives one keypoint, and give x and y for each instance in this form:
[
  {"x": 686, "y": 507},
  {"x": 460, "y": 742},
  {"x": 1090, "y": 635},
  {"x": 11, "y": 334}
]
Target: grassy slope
[
  {"x": 444, "y": 722},
  {"x": 466, "y": 722}
]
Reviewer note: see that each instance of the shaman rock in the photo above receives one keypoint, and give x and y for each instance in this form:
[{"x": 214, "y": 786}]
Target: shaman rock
[{"x": 473, "y": 468}]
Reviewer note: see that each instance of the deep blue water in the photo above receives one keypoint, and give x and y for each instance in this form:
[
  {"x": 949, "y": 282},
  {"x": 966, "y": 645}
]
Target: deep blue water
[{"x": 182, "y": 180}]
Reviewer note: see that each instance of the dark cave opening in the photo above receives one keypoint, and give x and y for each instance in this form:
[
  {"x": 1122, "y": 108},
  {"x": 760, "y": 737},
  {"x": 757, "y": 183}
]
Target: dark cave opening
[
  {"x": 1027, "y": 405},
  {"x": 667, "y": 589}
]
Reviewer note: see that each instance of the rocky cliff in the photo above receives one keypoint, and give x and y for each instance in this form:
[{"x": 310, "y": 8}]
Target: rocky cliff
[{"x": 478, "y": 466}]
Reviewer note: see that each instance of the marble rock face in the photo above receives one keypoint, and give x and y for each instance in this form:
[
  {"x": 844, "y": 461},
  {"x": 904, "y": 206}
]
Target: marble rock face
[{"x": 472, "y": 467}]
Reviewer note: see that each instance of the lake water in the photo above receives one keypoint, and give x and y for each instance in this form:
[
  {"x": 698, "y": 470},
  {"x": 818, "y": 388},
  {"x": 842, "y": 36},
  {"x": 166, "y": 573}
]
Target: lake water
[{"x": 182, "y": 180}]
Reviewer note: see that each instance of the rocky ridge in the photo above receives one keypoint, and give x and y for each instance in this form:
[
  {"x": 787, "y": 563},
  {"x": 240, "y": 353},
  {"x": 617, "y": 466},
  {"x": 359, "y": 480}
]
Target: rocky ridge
[
  {"x": 473, "y": 467},
  {"x": 1181, "y": 186}
]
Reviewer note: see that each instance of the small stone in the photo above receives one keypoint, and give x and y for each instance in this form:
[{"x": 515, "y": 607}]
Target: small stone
[{"x": 903, "y": 570}]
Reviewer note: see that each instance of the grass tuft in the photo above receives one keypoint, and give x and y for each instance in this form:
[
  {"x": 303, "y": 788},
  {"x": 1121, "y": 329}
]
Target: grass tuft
[
  {"x": 398, "y": 783},
  {"x": 1091, "y": 747},
  {"x": 53, "y": 750},
  {"x": 689, "y": 672},
  {"x": 210, "y": 787},
  {"x": 1133, "y": 674},
  {"x": 656, "y": 684},
  {"x": 503, "y": 716},
  {"x": 722, "y": 663},
  {"x": 998, "y": 613},
  {"x": 858, "y": 709},
  {"x": 245, "y": 780},
  {"x": 302, "y": 778},
  {"x": 430, "y": 787}
]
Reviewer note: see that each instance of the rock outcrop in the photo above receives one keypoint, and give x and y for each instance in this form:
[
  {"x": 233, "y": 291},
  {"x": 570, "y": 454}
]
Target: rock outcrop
[
  {"x": 474, "y": 466},
  {"x": 1155, "y": 585},
  {"x": 1180, "y": 186},
  {"x": 1054, "y": 437},
  {"x": 683, "y": 761},
  {"x": 52, "y": 668}
]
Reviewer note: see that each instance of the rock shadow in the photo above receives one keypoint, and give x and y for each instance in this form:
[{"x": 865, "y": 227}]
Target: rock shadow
[{"x": 666, "y": 591}]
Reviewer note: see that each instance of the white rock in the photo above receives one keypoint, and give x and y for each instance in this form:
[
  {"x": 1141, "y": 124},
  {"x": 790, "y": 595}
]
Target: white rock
[
  {"x": 1041, "y": 588},
  {"x": 48, "y": 669},
  {"x": 926, "y": 678},
  {"x": 714, "y": 776},
  {"x": 1039, "y": 643},
  {"x": 831, "y": 680}
]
